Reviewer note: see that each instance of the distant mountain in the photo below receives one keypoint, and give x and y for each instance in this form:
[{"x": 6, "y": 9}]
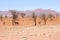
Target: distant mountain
[
  {"x": 5, "y": 13},
  {"x": 39, "y": 11},
  {"x": 29, "y": 12}
]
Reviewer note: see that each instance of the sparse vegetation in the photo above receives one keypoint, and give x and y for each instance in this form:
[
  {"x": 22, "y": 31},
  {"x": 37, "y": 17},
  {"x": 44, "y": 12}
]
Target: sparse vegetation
[
  {"x": 34, "y": 16},
  {"x": 51, "y": 16},
  {"x": 5, "y": 16},
  {"x": 14, "y": 16},
  {"x": 45, "y": 17},
  {"x": 22, "y": 15},
  {"x": 1, "y": 17}
]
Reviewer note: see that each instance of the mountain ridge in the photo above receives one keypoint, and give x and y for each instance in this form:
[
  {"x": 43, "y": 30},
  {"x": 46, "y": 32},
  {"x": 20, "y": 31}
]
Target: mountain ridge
[{"x": 29, "y": 12}]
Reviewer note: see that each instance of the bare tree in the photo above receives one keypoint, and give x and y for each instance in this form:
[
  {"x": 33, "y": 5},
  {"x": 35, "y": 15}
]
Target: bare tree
[
  {"x": 14, "y": 16},
  {"x": 1, "y": 17},
  {"x": 57, "y": 15},
  {"x": 45, "y": 17},
  {"x": 51, "y": 16},
  {"x": 22, "y": 15},
  {"x": 5, "y": 16},
  {"x": 34, "y": 16}
]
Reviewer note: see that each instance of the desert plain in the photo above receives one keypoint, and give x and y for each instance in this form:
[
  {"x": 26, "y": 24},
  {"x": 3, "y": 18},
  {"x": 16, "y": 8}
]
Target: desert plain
[{"x": 26, "y": 30}]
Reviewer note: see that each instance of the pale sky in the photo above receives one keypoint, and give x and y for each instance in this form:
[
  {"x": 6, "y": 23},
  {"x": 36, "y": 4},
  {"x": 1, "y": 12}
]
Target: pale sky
[{"x": 29, "y": 4}]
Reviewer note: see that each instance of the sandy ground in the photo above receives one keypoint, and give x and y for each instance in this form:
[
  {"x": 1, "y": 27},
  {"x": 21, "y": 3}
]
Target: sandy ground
[{"x": 41, "y": 32}]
